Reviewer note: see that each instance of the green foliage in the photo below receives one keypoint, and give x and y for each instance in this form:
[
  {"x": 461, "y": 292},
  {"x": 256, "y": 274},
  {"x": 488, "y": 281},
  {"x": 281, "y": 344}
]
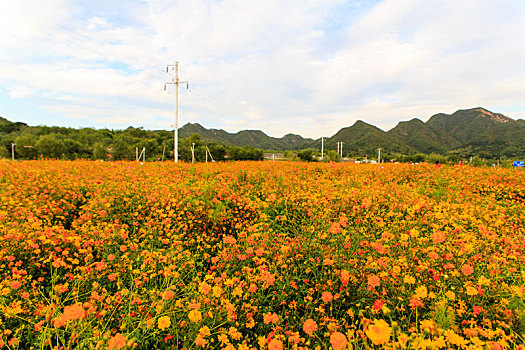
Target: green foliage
[
  {"x": 306, "y": 155},
  {"x": 4, "y": 152},
  {"x": 245, "y": 153},
  {"x": 332, "y": 156},
  {"x": 99, "y": 151},
  {"x": 50, "y": 145},
  {"x": 444, "y": 315},
  {"x": 26, "y": 146}
]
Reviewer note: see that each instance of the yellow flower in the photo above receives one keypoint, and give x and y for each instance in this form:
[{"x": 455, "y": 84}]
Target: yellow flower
[
  {"x": 471, "y": 291},
  {"x": 409, "y": 279},
  {"x": 421, "y": 292},
  {"x": 428, "y": 325},
  {"x": 195, "y": 316},
  {"x": 483, "y": 281},
  {"x": 379, "y": 332},
  {"x": 450, "y": 295},
  {"x": 204, "y": 331},
  {"x": 164, "y": 322}
]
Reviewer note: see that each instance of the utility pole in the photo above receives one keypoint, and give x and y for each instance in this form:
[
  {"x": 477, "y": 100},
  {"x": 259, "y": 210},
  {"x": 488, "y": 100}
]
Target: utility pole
[
  {"x": 209, "y": 152},
  {"x": 342, "y": 149},
  {"x": 379, "y": 155},
  {"x": 175, "y": 81},
  {"x": 322, "y": 148},
  {"x": 192, "y": 153},
  {"x": 13, "y": 151},
  {"x": 141, "y": 155}
]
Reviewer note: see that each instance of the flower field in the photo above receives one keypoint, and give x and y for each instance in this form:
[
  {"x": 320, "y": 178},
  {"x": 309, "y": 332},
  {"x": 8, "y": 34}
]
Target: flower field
[{"x": 260, "y": 255}]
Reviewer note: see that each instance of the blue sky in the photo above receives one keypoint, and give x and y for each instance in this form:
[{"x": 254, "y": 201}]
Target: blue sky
[{"x": 306, "y": 67}]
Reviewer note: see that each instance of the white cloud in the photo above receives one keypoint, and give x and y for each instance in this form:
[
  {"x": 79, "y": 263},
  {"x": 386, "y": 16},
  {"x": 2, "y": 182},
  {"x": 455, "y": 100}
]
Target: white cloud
[{"x": 274, "y": 65}]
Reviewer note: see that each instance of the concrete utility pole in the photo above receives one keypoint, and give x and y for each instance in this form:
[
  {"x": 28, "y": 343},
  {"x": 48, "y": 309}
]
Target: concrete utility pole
[
  {"x": 175, "y": 81},
  {"x": 322, "y": 148},
  {"x": 13, "y": 151},
  {"x": 192, "y": 153},
  {"x": 341, "y": 149},
  {"x": 379, "y": 155}
]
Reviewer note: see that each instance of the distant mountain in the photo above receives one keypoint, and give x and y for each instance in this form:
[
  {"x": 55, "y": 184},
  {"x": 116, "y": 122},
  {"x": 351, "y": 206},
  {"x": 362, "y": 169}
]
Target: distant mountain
[
  {"x": 467, "y": 131},
  {"x": 420, "y": 136},
  {"x": 207, "y": 134},
  {"x": 506, "y": 138},
  {"x": 467, "y": 124},
  {"x": 365, "y": 138},
  {"x": 255, "y": 138}
]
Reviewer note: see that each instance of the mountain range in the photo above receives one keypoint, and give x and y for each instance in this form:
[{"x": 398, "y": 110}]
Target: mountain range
[{"x": 474, "y": 131}]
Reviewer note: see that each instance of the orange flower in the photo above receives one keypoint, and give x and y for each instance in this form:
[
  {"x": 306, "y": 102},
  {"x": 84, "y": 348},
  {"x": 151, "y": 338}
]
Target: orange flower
[
  {"x": 338, "y": 341},
  {"x": 327, "y": 297},
  {"x": 71, "y": 312},
  {"x": 379, "y": 247},
  {"x": 270, "y": 317},
  {"x": 200, "y": 341},
  {"x": 229, "y": 240},
  {"x": 74, "y": 312},
  {"x": 438, "y": 237},
  {"x": 335, "y": 228},
  {"x": 373, "y": 281},
  {"x": 275, "y": 344},
  {"x": 15, "y": 285},
  {"x": 267, "y": 277},
  {"x": 169, "y": 294},
  {"x": 164, "y": 322},
  {"x": 99, "y": 266},
  {"x": 416, "y": 302},
  {"x": 379, "y": 332},
  {"x": 345, "y": 277},
  {"x": 467, "y": 269},
  {"x": 309, "y": 326},
  {"x": 433, "y": 255},
  {"x": 117, "y": 342}
]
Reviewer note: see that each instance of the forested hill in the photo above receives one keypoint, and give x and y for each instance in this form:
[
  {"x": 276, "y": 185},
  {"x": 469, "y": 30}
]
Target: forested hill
[{"x": 469, "y": 132}]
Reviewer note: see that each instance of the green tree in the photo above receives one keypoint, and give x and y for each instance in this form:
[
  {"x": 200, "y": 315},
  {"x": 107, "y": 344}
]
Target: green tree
[
  {"x": 4, "y": 152},
  {"x": 121, "y": 148},
  {"x": 50, "y": 146},
  {"x": 99, "y": 151},
  {"x": 306, "y": 155},
  {"x": 332, "y": 155},
  {"x": 26, "y": 146}
]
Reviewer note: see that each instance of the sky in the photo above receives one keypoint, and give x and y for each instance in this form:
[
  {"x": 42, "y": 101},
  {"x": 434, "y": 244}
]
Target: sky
[{"x": 281, "y": 66}]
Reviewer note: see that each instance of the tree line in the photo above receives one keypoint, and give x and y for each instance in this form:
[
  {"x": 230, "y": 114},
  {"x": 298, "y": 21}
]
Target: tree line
[{"x": 33, "y": 142}]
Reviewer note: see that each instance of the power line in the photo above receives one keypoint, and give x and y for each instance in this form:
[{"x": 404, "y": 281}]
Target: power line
[{"x": 225, "y": 107}]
